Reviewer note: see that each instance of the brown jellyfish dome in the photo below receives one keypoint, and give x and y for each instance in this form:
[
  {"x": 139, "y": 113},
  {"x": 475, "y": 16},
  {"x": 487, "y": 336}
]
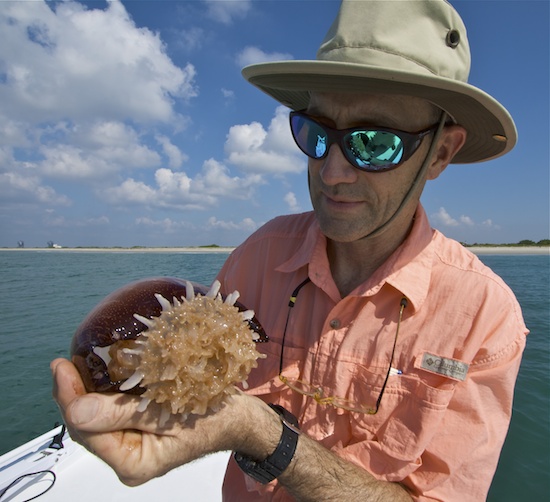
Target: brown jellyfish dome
[{"x": 172, "y": 341}]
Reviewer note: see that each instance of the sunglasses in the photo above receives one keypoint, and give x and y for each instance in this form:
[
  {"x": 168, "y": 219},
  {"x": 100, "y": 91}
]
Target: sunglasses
[
  {"x": 371, "y": 149},
  {"x": 317, "y": 393}
]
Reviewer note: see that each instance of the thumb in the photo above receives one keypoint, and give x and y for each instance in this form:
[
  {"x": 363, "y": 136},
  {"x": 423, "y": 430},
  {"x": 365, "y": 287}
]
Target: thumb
[
  {"x": 112, "y": 412},
  {"x": 91, "y": 412},
  {"x": 83, "y": 410}
]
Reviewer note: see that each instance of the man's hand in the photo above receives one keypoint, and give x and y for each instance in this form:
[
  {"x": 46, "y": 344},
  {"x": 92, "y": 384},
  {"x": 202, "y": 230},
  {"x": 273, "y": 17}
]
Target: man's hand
[{"x": 132, "y": 442}]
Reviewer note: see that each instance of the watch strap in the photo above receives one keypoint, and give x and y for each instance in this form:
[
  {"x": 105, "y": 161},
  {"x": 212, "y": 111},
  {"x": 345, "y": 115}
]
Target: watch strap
[{"x": 275, "y": 464}]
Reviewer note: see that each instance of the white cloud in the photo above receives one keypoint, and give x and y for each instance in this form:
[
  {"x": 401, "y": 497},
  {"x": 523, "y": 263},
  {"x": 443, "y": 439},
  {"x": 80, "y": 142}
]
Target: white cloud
[
  {"x": 68, "y": 161},
  {"x": 489, "y": 224},
  {"x": 79, "y": 89},
  {"x": 131, "y": 191},
  {"x": 190, "y": 40},
  {"x": 55, "y": 62},
  {"x": 443, "y": 218},
  {"x": 177, "y": 190},
  {"x": 466, "y": 220},
  {"x": 59, "y": 221},
  {"x": 28, "y": 188},
  {"x": 292, "y": 202},
  {"x": 174, "y": 190},
  {"x": 52, "y": 219},
  {"x": 175, "y": 156},
  {"x": 13, "y": 132},
  {"x": 101, "y": 220},
  {"x": 89, "y": 98},
  {"x": 254, "y": 150},
  {"x": 247, "y": 224},
  {"x": 252, "y": 55},
  {"x": 167, "y": 225},
  {"x": 225, "y": 11},
  {"x": 214, "y": 179},
  {"x": 106, "y": 134},
  {"x": 93, "y": 151},
  {"x": 228, "y": 94}
]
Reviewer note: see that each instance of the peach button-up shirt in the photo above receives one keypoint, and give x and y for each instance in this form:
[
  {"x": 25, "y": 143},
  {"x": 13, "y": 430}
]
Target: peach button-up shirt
[{"x": 446, "y": 409}]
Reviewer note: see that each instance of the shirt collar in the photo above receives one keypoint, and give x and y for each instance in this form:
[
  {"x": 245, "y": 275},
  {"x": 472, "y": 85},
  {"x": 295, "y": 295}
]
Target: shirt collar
[
  {"x": 312, "y": 246},
  {"x": 408, "y": 269}
]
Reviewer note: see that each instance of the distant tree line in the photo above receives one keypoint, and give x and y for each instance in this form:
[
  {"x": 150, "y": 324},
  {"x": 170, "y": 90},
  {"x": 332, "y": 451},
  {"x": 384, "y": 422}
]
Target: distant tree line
[{"x": 523, "y": 243}]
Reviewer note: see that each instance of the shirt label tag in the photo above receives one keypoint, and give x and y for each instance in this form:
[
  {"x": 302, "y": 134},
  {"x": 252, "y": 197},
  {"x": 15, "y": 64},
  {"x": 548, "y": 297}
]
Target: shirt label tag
[{"x": 451, "y": 368}]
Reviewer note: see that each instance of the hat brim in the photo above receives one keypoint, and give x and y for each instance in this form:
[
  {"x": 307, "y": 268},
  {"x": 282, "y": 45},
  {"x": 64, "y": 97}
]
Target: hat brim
[{"x": 491, "y": 130}]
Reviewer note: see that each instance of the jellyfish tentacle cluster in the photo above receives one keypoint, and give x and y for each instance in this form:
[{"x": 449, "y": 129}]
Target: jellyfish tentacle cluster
[{"x": 186, "y": 353}]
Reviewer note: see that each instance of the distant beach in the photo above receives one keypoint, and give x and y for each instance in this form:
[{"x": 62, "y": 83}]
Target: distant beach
[
  {"x": 478, "y": 250},
  {"x": 503, "y": 250},
  {"x": 188, "y": 250}
]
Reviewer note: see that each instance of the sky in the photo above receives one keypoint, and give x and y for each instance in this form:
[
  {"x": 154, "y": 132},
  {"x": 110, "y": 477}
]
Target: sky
[{"x": 129, "y": 123}]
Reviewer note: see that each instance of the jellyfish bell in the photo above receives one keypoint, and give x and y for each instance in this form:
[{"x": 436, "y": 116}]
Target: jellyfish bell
[{"x": 178, "y": 343}]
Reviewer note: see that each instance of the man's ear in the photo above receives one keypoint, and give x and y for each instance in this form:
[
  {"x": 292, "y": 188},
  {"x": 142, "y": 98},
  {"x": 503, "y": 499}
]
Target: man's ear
[{"x": 451, "y": 141}]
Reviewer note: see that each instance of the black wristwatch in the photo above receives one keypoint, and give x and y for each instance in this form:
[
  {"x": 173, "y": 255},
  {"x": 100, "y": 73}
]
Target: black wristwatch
[{"x": 273, "y": 466}]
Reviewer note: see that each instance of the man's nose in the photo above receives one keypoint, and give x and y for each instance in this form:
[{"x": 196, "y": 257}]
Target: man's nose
[{"x": 336, "y": 168}]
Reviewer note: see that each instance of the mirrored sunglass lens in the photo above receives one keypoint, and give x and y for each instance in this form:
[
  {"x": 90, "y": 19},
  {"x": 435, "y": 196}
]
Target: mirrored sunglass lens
[
  {"x": 311, "y": 138},
  {"x": 375, "y": 148}
]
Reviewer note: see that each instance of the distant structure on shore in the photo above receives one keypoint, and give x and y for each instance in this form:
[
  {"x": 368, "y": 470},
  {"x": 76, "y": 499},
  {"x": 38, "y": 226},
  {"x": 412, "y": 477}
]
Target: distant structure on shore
[
  {"x": 20, "y": 244},
  {"x": 52, "y": 245}
]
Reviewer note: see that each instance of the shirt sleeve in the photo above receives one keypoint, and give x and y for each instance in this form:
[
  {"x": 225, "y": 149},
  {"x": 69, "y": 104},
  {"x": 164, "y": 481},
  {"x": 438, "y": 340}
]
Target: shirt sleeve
[{"x": 463, "y": 456}]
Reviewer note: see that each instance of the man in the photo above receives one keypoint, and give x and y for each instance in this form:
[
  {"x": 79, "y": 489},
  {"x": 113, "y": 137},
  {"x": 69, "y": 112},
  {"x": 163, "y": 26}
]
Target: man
[{"x": 390, "y": 372}]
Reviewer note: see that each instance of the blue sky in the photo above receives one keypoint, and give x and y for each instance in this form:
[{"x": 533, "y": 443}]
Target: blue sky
[{"x": 129, "y": 124}]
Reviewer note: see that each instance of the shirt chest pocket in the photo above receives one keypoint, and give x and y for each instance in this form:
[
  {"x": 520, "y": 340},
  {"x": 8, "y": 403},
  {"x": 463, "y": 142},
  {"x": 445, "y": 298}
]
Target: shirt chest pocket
[{"x": 409, "y": 415}]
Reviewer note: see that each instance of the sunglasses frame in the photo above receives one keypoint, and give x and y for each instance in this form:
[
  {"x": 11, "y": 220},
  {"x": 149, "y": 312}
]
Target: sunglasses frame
[{"x": 410, "y": 140}]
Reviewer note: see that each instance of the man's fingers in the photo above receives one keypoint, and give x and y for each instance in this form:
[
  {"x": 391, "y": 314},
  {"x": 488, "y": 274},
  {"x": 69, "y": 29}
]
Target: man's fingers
[
  {"x": 112, "y": 412},
  {"x": 94, "y": 412}
]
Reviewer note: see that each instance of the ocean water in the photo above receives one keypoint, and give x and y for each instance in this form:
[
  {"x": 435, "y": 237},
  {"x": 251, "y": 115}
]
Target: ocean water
[{"x": 44, "y": 295}]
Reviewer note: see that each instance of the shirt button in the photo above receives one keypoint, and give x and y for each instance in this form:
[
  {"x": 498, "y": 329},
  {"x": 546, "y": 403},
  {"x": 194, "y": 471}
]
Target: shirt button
[{"x": 335, "y": 323}]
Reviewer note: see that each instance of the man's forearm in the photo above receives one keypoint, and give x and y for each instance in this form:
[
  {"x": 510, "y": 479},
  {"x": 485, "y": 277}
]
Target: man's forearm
[{"x": 316, "y": 474}]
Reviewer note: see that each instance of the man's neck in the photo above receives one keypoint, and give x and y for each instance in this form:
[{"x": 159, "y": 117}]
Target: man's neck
[{"x": 353, "y": 263}]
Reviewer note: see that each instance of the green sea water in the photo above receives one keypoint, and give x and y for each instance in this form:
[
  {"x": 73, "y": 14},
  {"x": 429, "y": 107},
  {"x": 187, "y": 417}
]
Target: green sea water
[{"x": 44, "y": 295}]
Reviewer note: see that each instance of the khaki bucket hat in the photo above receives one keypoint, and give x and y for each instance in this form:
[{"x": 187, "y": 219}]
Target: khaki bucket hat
[{"x": 411, "y": 47}]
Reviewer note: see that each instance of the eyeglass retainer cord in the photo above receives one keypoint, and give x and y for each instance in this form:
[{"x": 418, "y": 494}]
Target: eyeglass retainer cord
[{"x": 292, "y": 301}]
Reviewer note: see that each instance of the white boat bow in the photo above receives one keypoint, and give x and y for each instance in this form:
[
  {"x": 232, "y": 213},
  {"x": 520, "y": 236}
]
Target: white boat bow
[{"x": 80, "y": 476}]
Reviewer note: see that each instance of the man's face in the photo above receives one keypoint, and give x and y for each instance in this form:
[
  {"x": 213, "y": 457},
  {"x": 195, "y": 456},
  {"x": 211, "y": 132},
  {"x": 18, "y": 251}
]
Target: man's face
[{"x": 349, "y": 203}]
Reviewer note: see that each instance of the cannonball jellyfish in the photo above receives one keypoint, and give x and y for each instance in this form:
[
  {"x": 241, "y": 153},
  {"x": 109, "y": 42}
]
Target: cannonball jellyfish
[{"x": 171, "y": 341}]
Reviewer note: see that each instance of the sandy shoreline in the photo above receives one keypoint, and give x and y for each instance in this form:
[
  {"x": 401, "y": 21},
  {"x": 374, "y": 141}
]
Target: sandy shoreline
[
  {"x": 510, "y": 250},
  {"x": 479, "y": 250}
]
